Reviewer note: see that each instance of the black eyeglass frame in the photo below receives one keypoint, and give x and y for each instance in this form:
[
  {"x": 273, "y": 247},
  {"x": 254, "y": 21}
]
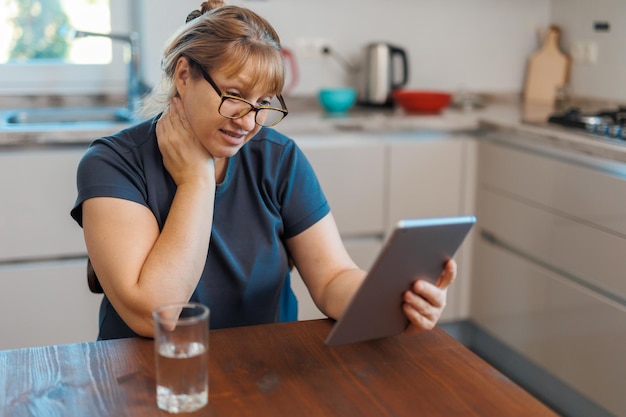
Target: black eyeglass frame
[{"x": 254, "y": 108}]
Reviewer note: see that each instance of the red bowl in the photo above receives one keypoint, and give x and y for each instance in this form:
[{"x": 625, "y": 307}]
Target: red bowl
[{"x": 417, "y": 101}]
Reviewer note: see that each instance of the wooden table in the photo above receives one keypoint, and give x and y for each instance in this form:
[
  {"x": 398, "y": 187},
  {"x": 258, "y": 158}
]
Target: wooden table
[{"x": 269, "y": 370}]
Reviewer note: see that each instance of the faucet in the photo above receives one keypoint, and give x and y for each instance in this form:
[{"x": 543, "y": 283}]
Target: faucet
[{"x": 136, "y": 88}]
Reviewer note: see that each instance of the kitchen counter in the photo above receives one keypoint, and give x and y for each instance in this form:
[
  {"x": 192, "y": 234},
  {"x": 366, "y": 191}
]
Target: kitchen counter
[
  {"x": 529, "y": 124},
  {"x": 306, "y": 117}
]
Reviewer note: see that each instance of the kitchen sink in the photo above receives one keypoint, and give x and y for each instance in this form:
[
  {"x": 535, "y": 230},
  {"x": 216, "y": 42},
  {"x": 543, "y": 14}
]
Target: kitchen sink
[{"x": 67, "y": 116}]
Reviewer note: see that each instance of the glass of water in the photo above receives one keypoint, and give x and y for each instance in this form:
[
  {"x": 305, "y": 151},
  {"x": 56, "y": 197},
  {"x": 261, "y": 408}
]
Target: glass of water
[{"x": 181, "y": 347}]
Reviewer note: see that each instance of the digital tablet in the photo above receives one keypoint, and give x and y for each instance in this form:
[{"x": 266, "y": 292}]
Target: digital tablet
[{"x": 416, "y": 249}]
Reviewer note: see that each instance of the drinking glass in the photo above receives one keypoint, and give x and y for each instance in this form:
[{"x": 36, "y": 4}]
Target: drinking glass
[{"x": 181, "y": 345}]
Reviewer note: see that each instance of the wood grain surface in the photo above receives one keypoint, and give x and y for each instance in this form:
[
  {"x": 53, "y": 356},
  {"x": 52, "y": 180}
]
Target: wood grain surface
[
  {"x": 548, "y": 69},
  {"x": 268, "y": 370}
]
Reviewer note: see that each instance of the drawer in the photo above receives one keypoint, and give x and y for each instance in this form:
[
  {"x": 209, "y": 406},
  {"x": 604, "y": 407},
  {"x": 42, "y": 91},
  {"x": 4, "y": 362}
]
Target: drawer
[
  {"x": 47, "y": 303},
  {"x": 38, "y": 190},
  {"x": 588, "y": 189},
  {"x": 573, "y": 333},
  {"x": 590, "y": 254}
]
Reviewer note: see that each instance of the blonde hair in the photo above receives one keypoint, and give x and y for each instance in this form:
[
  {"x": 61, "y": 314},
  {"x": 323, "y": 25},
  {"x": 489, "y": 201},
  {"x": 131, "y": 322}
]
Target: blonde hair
[{"x": 225, "y": 38}]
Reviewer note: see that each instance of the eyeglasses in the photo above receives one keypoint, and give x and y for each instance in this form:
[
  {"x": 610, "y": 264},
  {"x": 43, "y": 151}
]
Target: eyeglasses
[{"x": 234, "y": 107}]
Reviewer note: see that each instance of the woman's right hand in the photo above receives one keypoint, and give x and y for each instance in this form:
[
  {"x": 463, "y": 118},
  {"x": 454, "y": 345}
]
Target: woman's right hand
[{"x": 184, "y": 156}]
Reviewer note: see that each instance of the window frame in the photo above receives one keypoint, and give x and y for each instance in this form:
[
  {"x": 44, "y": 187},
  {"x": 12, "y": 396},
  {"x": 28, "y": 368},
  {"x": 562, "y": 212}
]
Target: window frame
[{"x": 34, "y": 78}]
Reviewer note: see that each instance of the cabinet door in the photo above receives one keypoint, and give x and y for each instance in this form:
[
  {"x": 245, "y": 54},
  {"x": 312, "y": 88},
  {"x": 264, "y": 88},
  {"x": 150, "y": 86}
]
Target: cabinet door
[
  {"x": 46, "y": 303},
  {"x": 352, "y": 175},
  {"x": 363, "y": 251},
  {"x": 351, "y": 171},
  {"x": 38, "y": 189},
  {"x": 433, "y": 176},
  {"x": 572, "y": 332},
  {"x": 426, "y": 178}
]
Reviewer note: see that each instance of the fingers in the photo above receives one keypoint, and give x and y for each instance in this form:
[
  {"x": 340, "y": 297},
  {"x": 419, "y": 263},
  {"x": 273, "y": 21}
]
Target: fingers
[
  {"x": 165, "y": 125},
  {"x": 424, "y": 303},
  {"x": 174, "y": 130},
  {"x": 173, "y": 118},
  {"x": 447, "y": 275},
  {"x": 177, "y": 113}
]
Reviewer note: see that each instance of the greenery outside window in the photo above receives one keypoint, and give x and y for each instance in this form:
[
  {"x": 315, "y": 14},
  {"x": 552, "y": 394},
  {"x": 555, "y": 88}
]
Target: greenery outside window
[{"x": 39, "y": 54}]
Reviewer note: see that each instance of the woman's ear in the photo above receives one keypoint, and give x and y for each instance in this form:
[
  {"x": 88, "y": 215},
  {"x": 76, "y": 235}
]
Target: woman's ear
[{"x": 182, "y": 75}]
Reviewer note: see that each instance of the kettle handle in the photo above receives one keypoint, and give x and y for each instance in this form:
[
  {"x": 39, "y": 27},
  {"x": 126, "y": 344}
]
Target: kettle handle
[
  {"x": 405, "y": 66},
  {"x": 290, "y": 61}
]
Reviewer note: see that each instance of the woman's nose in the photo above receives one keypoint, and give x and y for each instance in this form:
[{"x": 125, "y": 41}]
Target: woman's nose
[{"x": 247, "y": 122}]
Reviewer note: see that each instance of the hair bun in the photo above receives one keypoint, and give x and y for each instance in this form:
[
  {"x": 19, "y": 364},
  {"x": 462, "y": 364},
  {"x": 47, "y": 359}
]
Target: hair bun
[
  {"x": 193, "y": 15},
  {"x": 204, "y": 7},
  {"x": 210, "y": 5}
]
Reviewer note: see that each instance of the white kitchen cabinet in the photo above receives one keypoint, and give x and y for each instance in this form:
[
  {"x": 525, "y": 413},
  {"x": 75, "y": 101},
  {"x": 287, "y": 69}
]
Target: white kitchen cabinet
[
  {"x": 548, "y": 277},
  {"x": 351, "y": 171},
  {"x": 373, "y": 180},
  {"x": 571, "y": 332},
  {"x": 432, "y": 175},
  {"x": 44, "y": 297},
  {"x": 362, "y": 250},
  {"x": 427, "y": 176},
  {"x": 573, "y": 211},
  {"x": 38, "y": 189},
  {"x": 46, "y": 303},
  {"x": 370, "y": 180}
]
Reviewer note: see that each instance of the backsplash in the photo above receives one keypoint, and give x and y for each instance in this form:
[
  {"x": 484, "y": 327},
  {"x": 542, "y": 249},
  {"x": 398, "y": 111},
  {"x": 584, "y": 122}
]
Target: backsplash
[
  {"x": 477, "y": 45},
  {"x": 607, "y": 77},
  {"x": 453, "y": 45}
]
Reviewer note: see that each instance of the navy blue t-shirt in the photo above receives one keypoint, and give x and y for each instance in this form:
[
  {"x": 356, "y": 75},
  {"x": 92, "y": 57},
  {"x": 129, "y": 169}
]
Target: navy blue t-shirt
[{"x": 269, "y": 194}]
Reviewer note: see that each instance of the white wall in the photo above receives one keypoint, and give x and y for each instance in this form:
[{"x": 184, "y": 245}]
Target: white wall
[
  {"x": 479, "y": 45},
  {"x": 157, "y": 21},
  {"x": 607, "y": 78}
]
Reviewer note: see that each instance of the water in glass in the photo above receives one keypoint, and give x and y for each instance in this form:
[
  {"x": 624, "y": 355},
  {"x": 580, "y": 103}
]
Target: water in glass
[{"x": 182, "y": 380}]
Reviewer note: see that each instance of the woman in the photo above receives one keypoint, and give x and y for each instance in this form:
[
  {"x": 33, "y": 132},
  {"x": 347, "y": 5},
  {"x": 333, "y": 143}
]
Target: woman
[{"x": 205, "y": 202}]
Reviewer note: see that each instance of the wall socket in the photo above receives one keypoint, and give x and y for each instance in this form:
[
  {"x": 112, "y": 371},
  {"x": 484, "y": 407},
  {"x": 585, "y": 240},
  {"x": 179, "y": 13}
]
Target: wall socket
[
  {"x": 584, "y": 52},
  {"x": 312, "y": 47}
]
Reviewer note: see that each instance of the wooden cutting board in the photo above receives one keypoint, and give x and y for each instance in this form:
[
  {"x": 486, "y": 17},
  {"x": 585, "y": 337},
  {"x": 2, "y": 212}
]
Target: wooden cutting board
[{"x": 548, "y": 69}]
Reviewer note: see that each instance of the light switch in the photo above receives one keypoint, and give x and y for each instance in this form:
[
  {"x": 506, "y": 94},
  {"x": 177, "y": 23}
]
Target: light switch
[
  {"x": 591, "y": 52},
  {"x": 577, "y": 51}
]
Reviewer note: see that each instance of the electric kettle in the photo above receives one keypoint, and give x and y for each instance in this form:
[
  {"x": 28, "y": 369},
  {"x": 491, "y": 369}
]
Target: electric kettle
[{"x": 386, "y": 68}]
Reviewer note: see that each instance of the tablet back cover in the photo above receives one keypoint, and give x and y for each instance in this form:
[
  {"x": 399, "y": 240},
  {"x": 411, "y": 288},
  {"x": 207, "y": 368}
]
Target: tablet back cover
[{"x": 417, "y": 248}]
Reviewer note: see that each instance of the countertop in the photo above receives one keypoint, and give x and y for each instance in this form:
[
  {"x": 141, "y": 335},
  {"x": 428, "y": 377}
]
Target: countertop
[{"x": 306, "y": 118}]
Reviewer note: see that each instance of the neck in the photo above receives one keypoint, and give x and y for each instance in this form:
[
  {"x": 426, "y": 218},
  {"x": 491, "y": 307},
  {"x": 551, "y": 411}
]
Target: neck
[{"x": 220, "y": 169}]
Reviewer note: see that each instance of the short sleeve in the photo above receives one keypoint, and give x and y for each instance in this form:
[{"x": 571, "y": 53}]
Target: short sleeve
[
  {"x": 104, "y": 172},
  {"x": 303, "y": 200}
]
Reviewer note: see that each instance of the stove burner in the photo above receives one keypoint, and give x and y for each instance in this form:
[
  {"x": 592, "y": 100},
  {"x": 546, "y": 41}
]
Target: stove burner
[{"x": 606, "y": 123}]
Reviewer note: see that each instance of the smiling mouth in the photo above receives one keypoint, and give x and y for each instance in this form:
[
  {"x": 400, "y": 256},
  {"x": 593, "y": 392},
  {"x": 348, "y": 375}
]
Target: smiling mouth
[
  {"x": 236, "y": 135},
  {"x": 235, "y": 138}
]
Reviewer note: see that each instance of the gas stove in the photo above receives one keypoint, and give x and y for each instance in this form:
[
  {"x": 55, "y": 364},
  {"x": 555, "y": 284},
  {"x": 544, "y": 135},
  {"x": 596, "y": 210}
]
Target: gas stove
[{"x": 608, "y": 124}]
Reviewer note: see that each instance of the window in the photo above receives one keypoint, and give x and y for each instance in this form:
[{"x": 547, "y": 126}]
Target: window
[{"x": 39, "y": 53}]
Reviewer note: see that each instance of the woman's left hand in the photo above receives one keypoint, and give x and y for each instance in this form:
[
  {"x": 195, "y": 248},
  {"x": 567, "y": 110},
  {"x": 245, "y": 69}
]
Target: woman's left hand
[{"x": 424, "y": 302}]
